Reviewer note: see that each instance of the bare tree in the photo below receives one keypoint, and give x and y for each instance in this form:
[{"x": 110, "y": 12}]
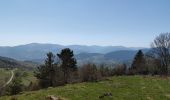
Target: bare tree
[{"x": 160, "y": 50}]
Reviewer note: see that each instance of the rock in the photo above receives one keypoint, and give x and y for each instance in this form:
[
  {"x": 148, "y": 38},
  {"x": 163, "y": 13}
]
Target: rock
[{"x": 52, "y": 97}]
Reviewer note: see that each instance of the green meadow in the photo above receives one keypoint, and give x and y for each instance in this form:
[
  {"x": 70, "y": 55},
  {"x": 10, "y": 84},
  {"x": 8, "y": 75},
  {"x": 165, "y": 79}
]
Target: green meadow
[{"x": 121, "y": 88}]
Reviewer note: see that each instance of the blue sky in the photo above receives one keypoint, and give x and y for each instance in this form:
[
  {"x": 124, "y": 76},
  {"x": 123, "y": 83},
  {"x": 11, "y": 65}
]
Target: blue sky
[{"x": 132, "y": 23}]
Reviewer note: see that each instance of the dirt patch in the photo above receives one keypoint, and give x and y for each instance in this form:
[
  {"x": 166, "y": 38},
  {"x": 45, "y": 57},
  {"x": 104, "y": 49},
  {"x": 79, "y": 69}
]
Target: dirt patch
[
  {"x": 52, "y": 97},
  {"x": 149, "y": 98},
  {"x": 167, "y": 95}
]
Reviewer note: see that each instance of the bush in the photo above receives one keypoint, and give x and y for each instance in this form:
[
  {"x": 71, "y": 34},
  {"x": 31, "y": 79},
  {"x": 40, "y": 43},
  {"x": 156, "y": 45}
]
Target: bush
[
  {"x": 34, "y": 86},
  {"x": 15, "y": 87},
  {"x": 104, "y": 71},
  {"x": 120, "y": 70},
  {"x": 89, "y": 72}
]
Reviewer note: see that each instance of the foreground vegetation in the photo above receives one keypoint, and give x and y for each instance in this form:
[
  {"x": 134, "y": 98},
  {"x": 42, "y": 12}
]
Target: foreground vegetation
[
  {"x": 26, "y": 76},
  {"x": 121, "y": 88},
  {"x": 4, "y": 76}
]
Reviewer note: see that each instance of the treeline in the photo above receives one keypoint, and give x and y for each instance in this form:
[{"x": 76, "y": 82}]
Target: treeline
[
  {"x": 60, "y": 69},
  {"x": 156, "y": 61},
  {"x": 64, "y": 70}
]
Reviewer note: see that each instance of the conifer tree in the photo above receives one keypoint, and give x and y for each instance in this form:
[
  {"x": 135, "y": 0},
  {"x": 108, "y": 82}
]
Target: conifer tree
[
  {"x": 139, "y": 65},
  {"x": 46, "y": 73},
  {"x": 68, "y": 62},
  {"x": 49, "y": 63}
]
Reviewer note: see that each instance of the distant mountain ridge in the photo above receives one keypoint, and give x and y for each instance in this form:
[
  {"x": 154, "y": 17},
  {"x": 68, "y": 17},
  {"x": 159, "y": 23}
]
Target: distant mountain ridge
[
  {"x": 37, "y": 52},
  {"x": 6, "y": 62},
  {"x": 122, "y": 56}
]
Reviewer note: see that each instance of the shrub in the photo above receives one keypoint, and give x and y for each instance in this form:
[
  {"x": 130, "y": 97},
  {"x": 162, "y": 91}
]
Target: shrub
[
  {"x": 120, "y": 69},
  {"x": 16, "y": 86},
  {"x": 89, "y": 72}
]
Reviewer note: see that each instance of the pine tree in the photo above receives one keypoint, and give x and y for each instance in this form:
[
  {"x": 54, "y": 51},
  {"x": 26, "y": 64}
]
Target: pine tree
[
  {"x": 68, "y": 62},
  {"x": 46, "y": 73},
  {"x": 139, "y": 64},
  {"x": 49, "y": 63}
]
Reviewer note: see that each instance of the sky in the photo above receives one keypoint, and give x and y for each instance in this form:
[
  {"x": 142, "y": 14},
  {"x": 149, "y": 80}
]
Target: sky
[{"x": 131, "y": 23}]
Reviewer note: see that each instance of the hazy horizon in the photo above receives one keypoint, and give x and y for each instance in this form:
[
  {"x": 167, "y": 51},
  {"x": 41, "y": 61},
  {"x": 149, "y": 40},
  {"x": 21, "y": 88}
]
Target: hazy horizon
[
  {"x": 71, "y": 45},
  {"x": 129, "y": 23}
]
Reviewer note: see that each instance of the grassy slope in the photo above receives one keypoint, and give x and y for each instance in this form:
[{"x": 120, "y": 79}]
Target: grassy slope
[
  {"x": 122, "y": 88},
  {"x": 28, "y": 78},
  {"x": 4, "y": 76}
]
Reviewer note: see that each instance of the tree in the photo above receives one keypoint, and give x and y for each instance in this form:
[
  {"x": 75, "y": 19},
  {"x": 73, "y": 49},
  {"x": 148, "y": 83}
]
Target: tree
[
  {"x": 89, "y": 72},
  {"x": 46, "y": 73},
  {"x": 68, "y": 62},
  {"x": 16, "y": 86},
  {"x": 103, "y": 70},
  {"x": 138, "y": 66},
  {"x": 120, "y": 69},
  {"x": 153, "y": 65},
  {"x": 160, "y": 50},
  {"x": 49, "y": 63}
]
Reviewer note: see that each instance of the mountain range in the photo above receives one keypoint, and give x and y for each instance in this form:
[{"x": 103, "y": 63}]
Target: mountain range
[{"x": 36, "y": 52}]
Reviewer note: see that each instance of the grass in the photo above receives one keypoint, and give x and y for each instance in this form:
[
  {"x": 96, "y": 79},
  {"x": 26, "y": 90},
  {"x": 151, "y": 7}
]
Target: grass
[
  {"x": 29, "y": 77},
  {"x": 26, "y": 76},
  {"x": 4, "y": 76},
  {"x": 122, "y": 88}
]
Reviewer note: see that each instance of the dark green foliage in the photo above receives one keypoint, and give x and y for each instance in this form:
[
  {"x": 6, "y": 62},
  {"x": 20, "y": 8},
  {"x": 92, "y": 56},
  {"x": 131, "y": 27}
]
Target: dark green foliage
[
  {"x": 68, "y": 62},
  {"x": 139, "y": 64},
  {"x": 18, "y": 74},
  {"x": 58, "y": 76},
  {"x": 16, "y": 86},
  {"x": 46, "y": 73},
  {"x": 49, "y": 63},
  {"x": 42, "y": 75},
  {"x": 54, "y": 74}
]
